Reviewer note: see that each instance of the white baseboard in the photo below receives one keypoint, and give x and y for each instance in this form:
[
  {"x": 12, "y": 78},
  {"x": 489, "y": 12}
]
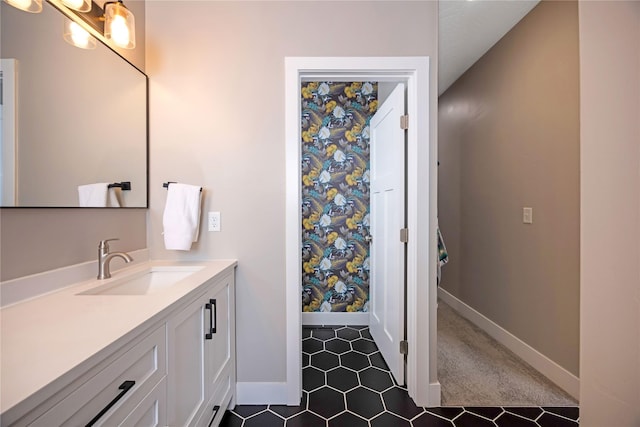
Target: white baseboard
[
  {"x": 318, "y": 319},
  {"x": 547, "y": 367},
  {"x": 261, "y": 393},
  {"x": 435, "y": 395}
]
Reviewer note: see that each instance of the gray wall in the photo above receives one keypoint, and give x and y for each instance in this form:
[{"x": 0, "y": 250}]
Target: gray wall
[
  {"x": 508, "y": 138},
  {"x": 610, "y": 206},
  {"x": 37, "y": 240},
  {"x": 217, "y": 120}
]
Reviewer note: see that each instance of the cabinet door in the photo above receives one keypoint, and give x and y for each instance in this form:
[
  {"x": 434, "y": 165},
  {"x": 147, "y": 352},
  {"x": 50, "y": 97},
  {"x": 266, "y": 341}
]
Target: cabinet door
[
  {"x": 187, "y": 389},
  {"x": 219, "y": 348},
  {"x": 219, "y": 351}
]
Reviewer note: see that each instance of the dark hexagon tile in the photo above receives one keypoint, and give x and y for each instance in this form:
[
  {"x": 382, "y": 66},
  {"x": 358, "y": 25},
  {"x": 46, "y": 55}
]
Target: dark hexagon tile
[
  {"x": 530, "y": 413},
  {"x": 305, "y": 359},
  {"x": 430, "y": 420},
  {"x": 355, "y": 361},
  {"x": 359, "y": 327},
  {"x": 365, "y": 403},
  {"x": 366, "y": 334},
  {"x": 347, "y": 419},
  {"x": 337, "y": 345},
  {"x": 550, "y": 420},
  {"x": 289, "y": 411},
  {"x": 348, "y": 333},
  {"x": 306, "y": 333},
  {"x": 448, "y": 412},
  {"x": 311, "y": 345},
  {"x": 387, "y": 419},
  {"x": 326, "y": 402},
  {"x": 378, "y": 361},
  {"x": 264, "y": 419},
  {"x": 312, "y": 378},
  {"x": 571, "y": 412},
  {"x": 509, "y": 420},
  {"x": 491, "y": 412},
  {"x": 323, "y": 333},
  {"x": 245, "y": 411},
  {"x": 231, "y": 420},
  {"x": 471, "y": 420},
  {"x": 397, "y": 400},
  {"x": 364, "y": 346},
  {"x": 306, "y": 419},
  {"x": 325, "y": 360},
  {"x": 342, "y": 379},
  {"x": 375, "y": 379}
]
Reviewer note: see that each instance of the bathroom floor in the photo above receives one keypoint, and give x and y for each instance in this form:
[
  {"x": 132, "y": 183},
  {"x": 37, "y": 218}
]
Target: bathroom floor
[{"x": 346, "y": 383}]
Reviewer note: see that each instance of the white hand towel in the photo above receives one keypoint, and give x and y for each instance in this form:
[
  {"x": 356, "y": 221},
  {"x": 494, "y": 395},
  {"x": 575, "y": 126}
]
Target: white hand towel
[
  {"x": 181, "y": 219},
  {"x": 114, "y": 196},
  {"x": 93, "y": 195}
]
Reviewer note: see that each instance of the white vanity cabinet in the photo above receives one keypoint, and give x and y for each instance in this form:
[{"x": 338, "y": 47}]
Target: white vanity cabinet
[
  {"x": 201, "y": 340},
  {"x": 158, "y": 359}
]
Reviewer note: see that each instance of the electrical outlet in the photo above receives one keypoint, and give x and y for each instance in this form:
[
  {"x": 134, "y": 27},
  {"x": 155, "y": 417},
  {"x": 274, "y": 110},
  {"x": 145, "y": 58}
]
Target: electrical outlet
[
  {"x": 214, "y": 221},
  {"x": 527, "y": 215}
]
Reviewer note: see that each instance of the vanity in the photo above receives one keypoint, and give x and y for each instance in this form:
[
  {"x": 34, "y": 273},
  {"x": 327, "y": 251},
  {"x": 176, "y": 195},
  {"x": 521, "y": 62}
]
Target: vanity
[{"x": 154, "y": 345}]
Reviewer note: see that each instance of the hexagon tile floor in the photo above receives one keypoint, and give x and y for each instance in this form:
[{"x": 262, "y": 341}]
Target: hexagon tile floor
[{"x": 346, "y": 383}]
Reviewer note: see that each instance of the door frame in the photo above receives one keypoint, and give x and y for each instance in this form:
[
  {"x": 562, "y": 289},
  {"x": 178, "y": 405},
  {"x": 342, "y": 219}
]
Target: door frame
[{"x": 421, "y": 372}]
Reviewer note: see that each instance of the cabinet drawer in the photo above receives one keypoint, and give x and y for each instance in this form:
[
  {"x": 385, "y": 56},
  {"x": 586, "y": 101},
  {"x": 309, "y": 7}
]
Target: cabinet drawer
[
  {"x": 219, "y": 402},
  {"x": 144, "y": 364},
  {"x": 151, "y": 412}
]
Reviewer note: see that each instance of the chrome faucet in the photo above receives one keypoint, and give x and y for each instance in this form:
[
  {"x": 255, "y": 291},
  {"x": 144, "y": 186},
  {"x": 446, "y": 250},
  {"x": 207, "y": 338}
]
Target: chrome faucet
[{"x": 104, "y": 258}]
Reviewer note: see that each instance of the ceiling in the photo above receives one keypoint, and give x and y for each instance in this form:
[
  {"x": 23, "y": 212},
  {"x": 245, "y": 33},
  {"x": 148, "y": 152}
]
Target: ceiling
[{"x": 469, "y": 28}]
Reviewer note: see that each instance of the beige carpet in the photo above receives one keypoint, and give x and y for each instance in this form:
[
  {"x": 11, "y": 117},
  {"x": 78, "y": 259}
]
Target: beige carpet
[{"x": 475, "y": 370}]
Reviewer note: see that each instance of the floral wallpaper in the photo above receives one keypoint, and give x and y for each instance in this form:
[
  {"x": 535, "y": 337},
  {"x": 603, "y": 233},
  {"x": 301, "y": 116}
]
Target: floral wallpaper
[{"x": 335, "y": 194}]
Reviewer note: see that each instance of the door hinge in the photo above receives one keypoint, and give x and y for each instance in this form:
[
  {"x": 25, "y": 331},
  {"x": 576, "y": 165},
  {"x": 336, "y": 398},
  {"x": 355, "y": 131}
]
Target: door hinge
[
  {"x": 404, "y": 347},
  {"x": 404, "y": 122},
  {"x": 404, "y": 235}
]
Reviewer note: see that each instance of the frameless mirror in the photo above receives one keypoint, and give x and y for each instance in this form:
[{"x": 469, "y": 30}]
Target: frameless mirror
[{"x": 70, "y": 116}]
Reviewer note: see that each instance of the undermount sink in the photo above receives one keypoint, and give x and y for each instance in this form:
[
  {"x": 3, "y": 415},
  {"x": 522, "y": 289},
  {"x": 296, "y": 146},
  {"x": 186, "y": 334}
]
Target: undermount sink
[{"x": 145, "y": 282}]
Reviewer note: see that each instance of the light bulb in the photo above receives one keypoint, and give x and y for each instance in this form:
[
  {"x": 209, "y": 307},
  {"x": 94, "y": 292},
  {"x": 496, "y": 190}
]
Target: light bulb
[
  {"x": 20, "y": 4},
  {"x": 79, "y": 5},
  {"x": 79, "y": 35},
  {"x": 119, "y": 31},
  {"x": 33, "y": 6},
  {"x": 119, "y": 25}
]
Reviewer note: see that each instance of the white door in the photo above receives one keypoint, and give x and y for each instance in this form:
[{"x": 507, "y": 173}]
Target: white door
[{"x": 387, "y": 252}]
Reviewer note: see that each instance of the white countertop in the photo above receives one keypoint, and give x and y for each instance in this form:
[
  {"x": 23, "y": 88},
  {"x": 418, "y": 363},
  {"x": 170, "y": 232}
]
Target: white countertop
[{"x": 46, "y": 341}]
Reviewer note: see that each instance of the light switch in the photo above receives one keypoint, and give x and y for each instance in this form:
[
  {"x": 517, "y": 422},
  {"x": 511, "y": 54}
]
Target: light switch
[{"x": 527, "y": 215}]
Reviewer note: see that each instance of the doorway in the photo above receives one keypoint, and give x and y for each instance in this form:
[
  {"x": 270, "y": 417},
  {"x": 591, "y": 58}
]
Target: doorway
[{"x": 421, "y": 207}]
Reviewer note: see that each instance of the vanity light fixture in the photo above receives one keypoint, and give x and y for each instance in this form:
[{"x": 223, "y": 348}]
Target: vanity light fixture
[
  {"x": 77, "y": 36},
  {"x": 79, "y": 5},
  {"x": 32, "y": 6},
  {"x": 119, "y": 25}
]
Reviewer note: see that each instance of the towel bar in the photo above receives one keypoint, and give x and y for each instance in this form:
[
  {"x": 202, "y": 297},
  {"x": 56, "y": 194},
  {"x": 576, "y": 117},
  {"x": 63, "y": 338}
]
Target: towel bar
[
  {"x": 166, "y": 185},
  {"x": 125, "y": 185}
]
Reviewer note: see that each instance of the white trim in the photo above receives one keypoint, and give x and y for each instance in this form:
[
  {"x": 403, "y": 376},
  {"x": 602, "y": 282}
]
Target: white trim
[
  {"x": 351, "y": 319},
  {"x": 293, "y": 234},
  {"x": 248, "y": 393},
  {"x": 435, "y": 393},
  {"x": 9, "y": 169},
  {"x": 547, "y": 367},
  {"x": 421, "y": 208},
  {"x": 35, "y": 285}
]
